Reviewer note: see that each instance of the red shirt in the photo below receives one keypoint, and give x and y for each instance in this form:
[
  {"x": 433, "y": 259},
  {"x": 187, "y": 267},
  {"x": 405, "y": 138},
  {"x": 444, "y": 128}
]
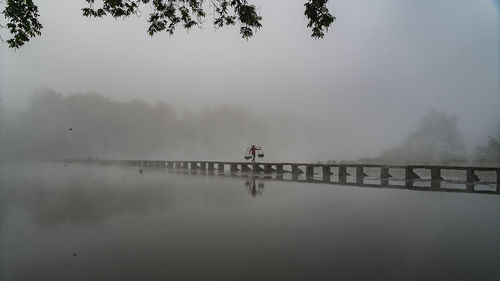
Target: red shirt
[{"x": 253, "y": 149}]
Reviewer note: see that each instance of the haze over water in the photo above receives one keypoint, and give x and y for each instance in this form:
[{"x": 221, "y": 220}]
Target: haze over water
[
  {"x": 111, "y": 223},
  {"x": 392, "y": 83},
  {"x": 360, "y": 90}
]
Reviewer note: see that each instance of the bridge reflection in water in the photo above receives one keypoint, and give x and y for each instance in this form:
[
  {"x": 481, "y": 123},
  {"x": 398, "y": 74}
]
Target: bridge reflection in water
[{"x": 485, "y": 180}]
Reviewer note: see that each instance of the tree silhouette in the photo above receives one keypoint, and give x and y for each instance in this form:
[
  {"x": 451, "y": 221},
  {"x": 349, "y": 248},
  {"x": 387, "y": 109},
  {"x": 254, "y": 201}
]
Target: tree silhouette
[
  {"x": 436, "y": 139},
  {"x": 489, "y": 153},
  {"x": 165, "y": 15}
]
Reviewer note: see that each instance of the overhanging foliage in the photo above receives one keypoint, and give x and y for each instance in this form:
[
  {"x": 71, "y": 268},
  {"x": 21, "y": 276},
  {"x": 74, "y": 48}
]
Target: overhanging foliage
[{"x": 22, "y": 15}]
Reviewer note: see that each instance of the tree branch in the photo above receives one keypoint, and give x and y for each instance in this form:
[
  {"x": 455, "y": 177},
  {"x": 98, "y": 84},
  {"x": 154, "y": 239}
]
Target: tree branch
[{"x": 23, "y": 24}]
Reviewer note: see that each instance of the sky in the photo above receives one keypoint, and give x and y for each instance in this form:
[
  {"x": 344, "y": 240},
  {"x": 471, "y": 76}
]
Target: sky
[{"x": 380, "y": 68}]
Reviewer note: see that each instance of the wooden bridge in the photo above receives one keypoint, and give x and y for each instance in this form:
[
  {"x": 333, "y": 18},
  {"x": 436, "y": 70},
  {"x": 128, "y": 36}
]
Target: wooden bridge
[{"x": 325, "y": 172}]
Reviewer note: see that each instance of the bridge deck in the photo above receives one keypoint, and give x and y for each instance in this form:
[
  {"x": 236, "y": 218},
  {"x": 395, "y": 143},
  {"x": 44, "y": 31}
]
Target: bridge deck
[
  {"x": 411, "y": 172},
  {"x": 411, "y": 178},
  {"x": 442, "y": 167}
]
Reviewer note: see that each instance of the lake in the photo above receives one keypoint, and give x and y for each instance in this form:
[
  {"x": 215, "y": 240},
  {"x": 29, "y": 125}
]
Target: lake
[{"x": 82, "y": 222}]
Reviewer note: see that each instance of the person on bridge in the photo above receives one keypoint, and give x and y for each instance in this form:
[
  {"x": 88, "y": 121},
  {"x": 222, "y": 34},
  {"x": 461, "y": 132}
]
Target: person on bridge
[{"x": 253, "y": 150}]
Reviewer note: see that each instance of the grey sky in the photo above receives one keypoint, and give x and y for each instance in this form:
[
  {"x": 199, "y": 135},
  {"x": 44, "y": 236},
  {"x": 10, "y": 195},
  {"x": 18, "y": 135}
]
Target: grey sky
[{"x": 382, "y": 66}]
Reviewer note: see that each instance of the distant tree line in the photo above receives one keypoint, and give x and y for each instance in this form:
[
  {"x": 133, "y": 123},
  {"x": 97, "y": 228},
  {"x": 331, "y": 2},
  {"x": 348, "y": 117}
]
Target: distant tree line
[
  {"x": 90, "y": 125},
  {"x": 490, "y": 153},
  {"x": 435, "y": 140}
]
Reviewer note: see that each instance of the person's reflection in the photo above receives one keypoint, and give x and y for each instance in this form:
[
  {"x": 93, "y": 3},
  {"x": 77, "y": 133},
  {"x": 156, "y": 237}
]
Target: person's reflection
[{"x": 253, "y": 187}]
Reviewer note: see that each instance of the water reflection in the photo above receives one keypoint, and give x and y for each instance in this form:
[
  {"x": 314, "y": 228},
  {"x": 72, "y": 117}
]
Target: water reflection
[
  {"x": 84, "y": 196},
  {"x": 394, "y": 182},
  {"x": 112, "y": 223},
  {"x": 253, "y": 188}
]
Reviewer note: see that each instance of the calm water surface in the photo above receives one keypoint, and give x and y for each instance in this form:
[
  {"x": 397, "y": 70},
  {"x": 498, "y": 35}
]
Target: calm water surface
[{"x": 110, "y": 223}]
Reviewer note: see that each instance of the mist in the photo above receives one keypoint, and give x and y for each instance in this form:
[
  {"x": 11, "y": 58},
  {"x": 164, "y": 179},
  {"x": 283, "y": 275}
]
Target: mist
[
  {"x": 356, "y": 93},
  {"x": 379, "y": 144},
  {"x": 91, "y": 126}
]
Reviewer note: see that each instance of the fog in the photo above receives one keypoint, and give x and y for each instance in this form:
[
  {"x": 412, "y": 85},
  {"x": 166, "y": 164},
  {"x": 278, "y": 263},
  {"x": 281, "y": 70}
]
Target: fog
[
  {"x": 206, "y": 94},
  {"x": 90, "y": 125},
  {"x": 392, "y": 82},
  {"x": 91, "y": 222}
]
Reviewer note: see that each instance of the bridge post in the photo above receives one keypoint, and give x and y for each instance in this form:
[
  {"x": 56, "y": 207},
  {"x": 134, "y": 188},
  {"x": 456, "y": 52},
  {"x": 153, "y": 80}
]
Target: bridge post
[
  {"x": 343, "y": 174},
  {"x": 279, "y": 168},
  {"x": 410, "y": 175},
  {"x": 326, "y": 173},
  {"x": 220, "y": 167},
  {"x": 244, "y": 168},
  {"x": 343, "y": 171},
  {"x": 279, "y": 171},
  {"x": 470, "y": 178},
  {"x": 436, "y": 174},
  {"x": 185, "y": 165},
  {"x": 360, "y": 174},
  {"x": 233, "y": 168},
  {"x": 309, "y": 172},
  {"x": 210, "y": 166},
  {"x": 436, "y": 178},
  {"x": 384, "y": 176},
  {"x": 296, "y": 170},
  {"x": 471, "y": 175},
  {"x": 256, "y": 167},
  {"x": 203, "y": 166},
  {"x": 498, "y": 179},
  {"x": 268, "y": 168}
]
